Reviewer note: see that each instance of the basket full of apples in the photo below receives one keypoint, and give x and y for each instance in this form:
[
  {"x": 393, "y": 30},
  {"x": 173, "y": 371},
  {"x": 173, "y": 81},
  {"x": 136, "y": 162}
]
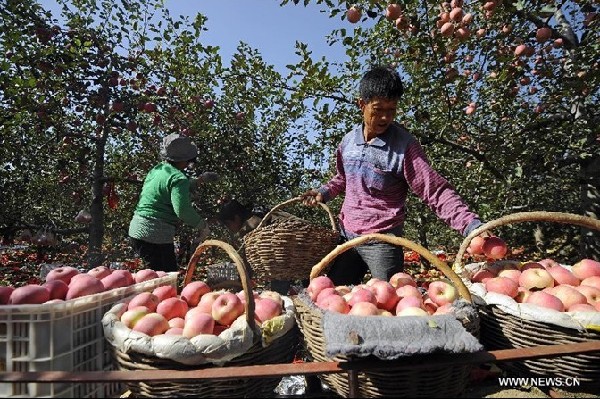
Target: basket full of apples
[
  {"x": 201, "y": 327},
  {"x": 536, "y": 302},
  {"x": 389, "y": 320}
]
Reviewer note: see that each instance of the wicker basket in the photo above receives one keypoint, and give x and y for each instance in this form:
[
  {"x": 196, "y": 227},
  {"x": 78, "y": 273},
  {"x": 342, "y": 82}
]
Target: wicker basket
[
  {"x": 286, "y": 249},
  {"x": 502, "y": 330},
  {"x": 281, "y": 350},
  {"x": 391, "y": 381}
]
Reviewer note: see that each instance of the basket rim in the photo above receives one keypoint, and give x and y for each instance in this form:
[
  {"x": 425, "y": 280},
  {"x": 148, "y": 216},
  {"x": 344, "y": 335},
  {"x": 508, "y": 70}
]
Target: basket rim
[{"x": 299, "y": 199}]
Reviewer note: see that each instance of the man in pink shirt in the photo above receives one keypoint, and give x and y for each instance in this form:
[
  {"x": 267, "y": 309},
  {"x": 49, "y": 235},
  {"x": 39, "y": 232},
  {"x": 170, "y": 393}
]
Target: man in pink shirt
[{"x": 376, "y": 164}]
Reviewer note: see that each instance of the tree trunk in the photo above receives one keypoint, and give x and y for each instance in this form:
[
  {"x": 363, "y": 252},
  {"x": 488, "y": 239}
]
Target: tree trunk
[{"x": 95, "y": 256}]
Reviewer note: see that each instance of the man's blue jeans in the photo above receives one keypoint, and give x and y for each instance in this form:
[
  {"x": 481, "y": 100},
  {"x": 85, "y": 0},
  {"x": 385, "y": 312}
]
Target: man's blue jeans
[{"x": 382, "y": 259}]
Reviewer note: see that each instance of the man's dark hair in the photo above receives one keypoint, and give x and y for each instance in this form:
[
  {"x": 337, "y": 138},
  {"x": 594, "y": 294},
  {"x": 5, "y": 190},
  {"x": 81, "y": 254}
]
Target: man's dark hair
[{"x": 382, "y": 82}]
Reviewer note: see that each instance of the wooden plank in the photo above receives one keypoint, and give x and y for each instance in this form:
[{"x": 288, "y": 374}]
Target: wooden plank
[{"x": 309, "y": 368}]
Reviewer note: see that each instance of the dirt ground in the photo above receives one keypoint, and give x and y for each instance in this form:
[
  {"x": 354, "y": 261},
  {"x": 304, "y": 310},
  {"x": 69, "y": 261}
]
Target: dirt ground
[{"x": 485, "y": 387}]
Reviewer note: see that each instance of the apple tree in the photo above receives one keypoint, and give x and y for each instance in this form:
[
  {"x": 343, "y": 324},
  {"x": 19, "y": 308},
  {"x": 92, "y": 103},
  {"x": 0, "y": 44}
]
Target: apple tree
[
  {"x": 87, "y": 98},
  {"x": 502, "y": 94}
]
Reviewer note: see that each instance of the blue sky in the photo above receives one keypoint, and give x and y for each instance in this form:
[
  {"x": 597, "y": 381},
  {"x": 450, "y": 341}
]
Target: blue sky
[{"x": 263, "y": 24}]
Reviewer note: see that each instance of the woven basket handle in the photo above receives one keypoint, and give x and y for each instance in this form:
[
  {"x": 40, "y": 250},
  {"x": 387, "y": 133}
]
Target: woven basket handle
[
  {"x": 299, "y": 199},
  {"x": 442, "y": 266},
  {"x": 538, "y": 216},
  {"x": 241, "y": 269}
]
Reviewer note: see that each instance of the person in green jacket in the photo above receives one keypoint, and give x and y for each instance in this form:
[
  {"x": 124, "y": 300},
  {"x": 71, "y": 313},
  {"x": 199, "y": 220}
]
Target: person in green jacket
[{"x": 165, "y": 202}]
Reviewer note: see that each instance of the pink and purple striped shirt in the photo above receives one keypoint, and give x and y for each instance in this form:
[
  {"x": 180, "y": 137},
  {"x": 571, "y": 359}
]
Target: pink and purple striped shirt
[{"x": 376, "y": 177}]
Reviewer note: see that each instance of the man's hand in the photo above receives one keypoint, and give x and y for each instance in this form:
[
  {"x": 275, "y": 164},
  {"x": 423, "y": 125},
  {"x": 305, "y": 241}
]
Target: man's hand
[{"x": 312, "y": 197}]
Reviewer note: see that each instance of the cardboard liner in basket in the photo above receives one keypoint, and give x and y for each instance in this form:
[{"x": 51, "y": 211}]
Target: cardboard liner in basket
[
  {"x": 202, "y": 349},
  {"x": 392, "y": 380},
  {"x": 579, "y": 321},
  {"x": 389, "y": 337},
  {"x": 506, "y": 324}
]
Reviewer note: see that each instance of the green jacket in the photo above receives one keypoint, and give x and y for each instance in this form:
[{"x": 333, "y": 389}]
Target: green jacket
[{"x": 163, "y": 203}]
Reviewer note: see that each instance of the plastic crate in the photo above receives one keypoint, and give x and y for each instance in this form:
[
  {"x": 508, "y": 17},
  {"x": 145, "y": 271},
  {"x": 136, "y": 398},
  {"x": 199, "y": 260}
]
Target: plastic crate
[{"x": 66, "y": 336}]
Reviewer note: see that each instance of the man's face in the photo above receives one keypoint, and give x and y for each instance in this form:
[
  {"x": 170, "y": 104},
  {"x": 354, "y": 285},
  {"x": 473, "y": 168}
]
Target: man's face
[{"x": 378, "y": 114}]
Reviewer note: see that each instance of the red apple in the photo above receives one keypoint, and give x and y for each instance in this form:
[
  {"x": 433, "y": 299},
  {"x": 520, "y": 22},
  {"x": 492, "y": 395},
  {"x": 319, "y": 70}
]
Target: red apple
[
  {"x": 512, "y": 274},
  {"x": 317, "y": 284},
  {"x": 592, "y": 281},
  {"x": 545, "y": 300},
  {"x": 324, "y": 294},
  {"x": 30, "y": 294},
  {"x": 172, "y": 307},
  {"x": 360, "y": 294},
  {"x": 342, "y": 289},
  {"x": 126, "y": 274},
  {"x": 177, "y": 322},
  {"x": 226, "y": 308},
  {"x": 502, "y": 285},
  {"x": 586, "y": 268},
  {"x": 266, "y": 309},
  {"x": 408, "y": 290},
  {"x": 562, "y": 275},
  {"x": 482, "y": 275},
  {"x": 174, "y": 331},
  {"x": 146, "y": 299},
  {"x": 476, "y": 245},
  {"x": 522, "y": 295},
  {"x": 536, "y": 279},
  {"x": 592, "y": 294},
  {"x": 334, "y": 303},
  {"x": 151, "y": 324},
  {"x": 274, "y": 295},
  {"x": 115, "y": 280},
  {"x": 393, "y": 11},
  {"x": 64, "y": 273},
  {"x": 353, "y": 14},
  {"x": 206, "y": 302},
  {"x": 131, "y": 316},
  {"x": 145, "y": 275},
  {"x": 100, "y": 272},
  {"x": 494, "y": 247},
  {"x": 165, "y": 291},
  {"x": 399, "y": 279},
  {"x": 582, "y": 308},
  {"x": 82, "y": 285},
  {"x": 442, "y": 292},
  {"x": 408, "y": 302},
  {"x": 5, "y": 292},
  {"x": 364, "y": 309},
  {"x": 412, "y": 311},
  {"x": 568, "y": 295},
  {"x": 57, "y": 289},
  {"x": 192, "y": 292},
  {"x": 385, "y": 295}
]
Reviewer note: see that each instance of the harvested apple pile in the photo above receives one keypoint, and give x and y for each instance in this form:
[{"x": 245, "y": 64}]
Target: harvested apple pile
[
  {"x": 545, "y": 283},
  {"x": 65, "y": 283},
  {"x": 398, "y": 297},
  {"x": 197, "y": 310}
]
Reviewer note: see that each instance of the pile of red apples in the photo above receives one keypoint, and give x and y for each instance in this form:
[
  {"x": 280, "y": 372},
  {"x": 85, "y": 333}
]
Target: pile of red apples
[
  {"x": 400, "y": 296},
  {"x": 545, "y": 283},
  {"x": 67, "y": 282},
  {"x": 196, "y": 310}
]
